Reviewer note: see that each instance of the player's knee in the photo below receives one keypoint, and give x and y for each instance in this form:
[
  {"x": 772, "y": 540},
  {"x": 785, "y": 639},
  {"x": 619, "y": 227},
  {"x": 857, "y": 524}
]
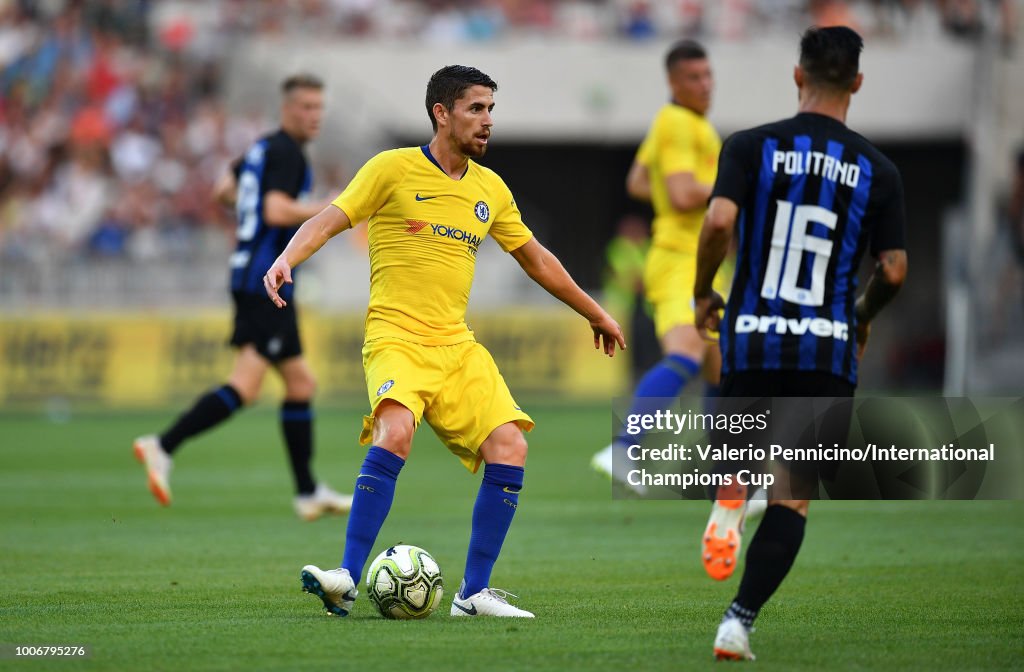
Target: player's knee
[
  {"x": 248, "y": 391},
  {"x": 506, "y": 445},
  {"x": 394, "y": 438},
  {"x": 517, "y": 449},
  {"x": 301, "y": 387},
  {"x": 393, "y": 428}
]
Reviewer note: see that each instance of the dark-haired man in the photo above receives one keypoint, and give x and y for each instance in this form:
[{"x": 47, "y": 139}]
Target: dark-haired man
[
  {"x": 674, "y": 169},
  {"x": 811, "y": 197},
  {"x": 429, "y": 209},
  {"x": 266, "y": 188}
]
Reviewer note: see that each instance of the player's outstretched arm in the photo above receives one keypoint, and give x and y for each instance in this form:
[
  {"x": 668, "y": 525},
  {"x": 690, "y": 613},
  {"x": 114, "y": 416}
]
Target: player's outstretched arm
[
  {"x": 885, "y": 282},
  {"x": 715, "y": 236},
  {"x": 310, "y": 237},
  {"x": 545, "y": 269}
]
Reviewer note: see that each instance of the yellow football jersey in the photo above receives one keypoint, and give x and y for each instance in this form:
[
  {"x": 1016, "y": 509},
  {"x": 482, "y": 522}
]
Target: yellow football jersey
[
  {"x": 679, "y": 141},
  {"x": 423, "y": 232}
]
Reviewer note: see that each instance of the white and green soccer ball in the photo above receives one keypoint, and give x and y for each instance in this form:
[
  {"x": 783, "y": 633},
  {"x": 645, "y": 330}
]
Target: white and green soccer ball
[{"x": 405, "y": 582}]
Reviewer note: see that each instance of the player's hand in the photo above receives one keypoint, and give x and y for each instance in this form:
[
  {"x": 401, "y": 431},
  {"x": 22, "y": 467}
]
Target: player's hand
[
  {"x": 863, "y": 331},
  {"x": 278, "y": 274},
  {"x": 608, "y": 330},
  {"x": 707, "y": 315}
]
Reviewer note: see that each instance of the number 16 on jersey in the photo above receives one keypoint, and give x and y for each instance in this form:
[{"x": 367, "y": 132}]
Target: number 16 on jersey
[{"x": 790, "y": 240}]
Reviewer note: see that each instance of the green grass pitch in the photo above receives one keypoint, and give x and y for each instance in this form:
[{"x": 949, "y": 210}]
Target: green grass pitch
[{"x": 87, "y": 557}]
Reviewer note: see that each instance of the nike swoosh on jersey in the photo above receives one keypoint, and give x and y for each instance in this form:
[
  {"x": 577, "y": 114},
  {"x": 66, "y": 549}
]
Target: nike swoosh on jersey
[
  {"x": 511, "y": 492},
  {"x": 424, "y": 198},
  {"x": 471, "y": 611},
  {"x": 367, "y": 476}
]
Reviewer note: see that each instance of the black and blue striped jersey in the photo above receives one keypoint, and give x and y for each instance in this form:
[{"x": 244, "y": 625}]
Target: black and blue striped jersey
[
  {"x": 273, "y": 163},
  {"x": 813, "y": 196}
]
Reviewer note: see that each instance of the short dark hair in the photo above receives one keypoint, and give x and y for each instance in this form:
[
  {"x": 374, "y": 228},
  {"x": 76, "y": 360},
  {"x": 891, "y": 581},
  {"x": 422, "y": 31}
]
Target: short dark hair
[
  {"x": 449, "y": 83},
  {"x": 684, "y": 50},
  {"x": 302, "y": 80},
  {"x": 831, "y": 56}
]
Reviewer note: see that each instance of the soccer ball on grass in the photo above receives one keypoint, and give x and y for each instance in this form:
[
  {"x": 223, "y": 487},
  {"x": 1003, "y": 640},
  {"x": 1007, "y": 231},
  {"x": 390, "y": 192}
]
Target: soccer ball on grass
[{"x": 405, "y": 583}]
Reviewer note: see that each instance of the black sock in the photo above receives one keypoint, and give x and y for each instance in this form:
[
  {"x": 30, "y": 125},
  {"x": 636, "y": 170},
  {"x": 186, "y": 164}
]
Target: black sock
[
  {"x": 297, "y": 425},
  {"x": 737, "y": 610},
  {"x": 769, "y": 557},
  {"x": 211, "y": 409}
]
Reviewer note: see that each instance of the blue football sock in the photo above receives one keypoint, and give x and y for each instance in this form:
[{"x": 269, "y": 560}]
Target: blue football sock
[
  {"x": 492, "y": 515},
  {"x": 374, "y": 492},
  {"x": 665, "y": 380}
]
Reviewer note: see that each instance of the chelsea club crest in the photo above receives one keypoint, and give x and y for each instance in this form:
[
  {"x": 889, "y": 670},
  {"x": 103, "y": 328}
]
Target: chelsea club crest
[{"x": 483, "y": 213}]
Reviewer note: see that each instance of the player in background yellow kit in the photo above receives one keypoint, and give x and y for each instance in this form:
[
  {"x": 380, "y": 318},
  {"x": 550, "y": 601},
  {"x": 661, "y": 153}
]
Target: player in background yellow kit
[
  {"x": 428, "y": 210},
  {"x": 674, "y": 169}
]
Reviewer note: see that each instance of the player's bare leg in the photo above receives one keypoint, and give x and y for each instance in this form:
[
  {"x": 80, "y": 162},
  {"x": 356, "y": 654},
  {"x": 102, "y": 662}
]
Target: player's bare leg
[
  {"x": 248, "y": 372},
  {"x": 393, "y": 428}
]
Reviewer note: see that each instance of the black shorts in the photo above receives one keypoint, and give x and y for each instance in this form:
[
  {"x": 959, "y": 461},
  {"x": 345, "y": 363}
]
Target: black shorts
[
  {"x": 785, "y": 384},
  {"x": 273, "y": 331},
  {"x": 805, "y": 422}
]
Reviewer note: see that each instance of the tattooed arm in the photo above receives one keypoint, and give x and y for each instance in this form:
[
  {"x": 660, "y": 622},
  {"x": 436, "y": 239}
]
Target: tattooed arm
[{"x": 890, "y": 272}]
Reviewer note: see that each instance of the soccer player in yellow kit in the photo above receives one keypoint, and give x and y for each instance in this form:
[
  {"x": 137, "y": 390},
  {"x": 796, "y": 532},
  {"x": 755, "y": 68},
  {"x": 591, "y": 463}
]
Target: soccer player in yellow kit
[
  {"x": 429, "y": 209},
  {"x": 674, "y": 169}
]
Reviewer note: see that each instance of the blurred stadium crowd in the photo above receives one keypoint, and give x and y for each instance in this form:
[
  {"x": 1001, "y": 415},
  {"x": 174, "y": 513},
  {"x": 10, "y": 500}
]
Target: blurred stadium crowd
[
  {"x": 110, "y": 138},
  {"x": 449, "y": 21},
  {"x": 112, "y": 122}
]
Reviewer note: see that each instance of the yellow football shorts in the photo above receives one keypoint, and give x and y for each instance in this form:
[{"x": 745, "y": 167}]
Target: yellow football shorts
[
  {"x": 457, "y": 389},
  {"x": 668, "y": 281}
]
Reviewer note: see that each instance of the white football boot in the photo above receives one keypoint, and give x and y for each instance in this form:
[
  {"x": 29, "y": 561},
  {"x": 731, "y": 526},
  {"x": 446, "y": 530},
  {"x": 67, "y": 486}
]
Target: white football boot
[
  {"x": 334, "y": 587},
  {"x": 615, "y": 464},
  {"x": 488, "y": 602},
  {"x": 732, "y": 641},
  {"x": 158, "y": 465},
  {"x": 323, "y": 500}
]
